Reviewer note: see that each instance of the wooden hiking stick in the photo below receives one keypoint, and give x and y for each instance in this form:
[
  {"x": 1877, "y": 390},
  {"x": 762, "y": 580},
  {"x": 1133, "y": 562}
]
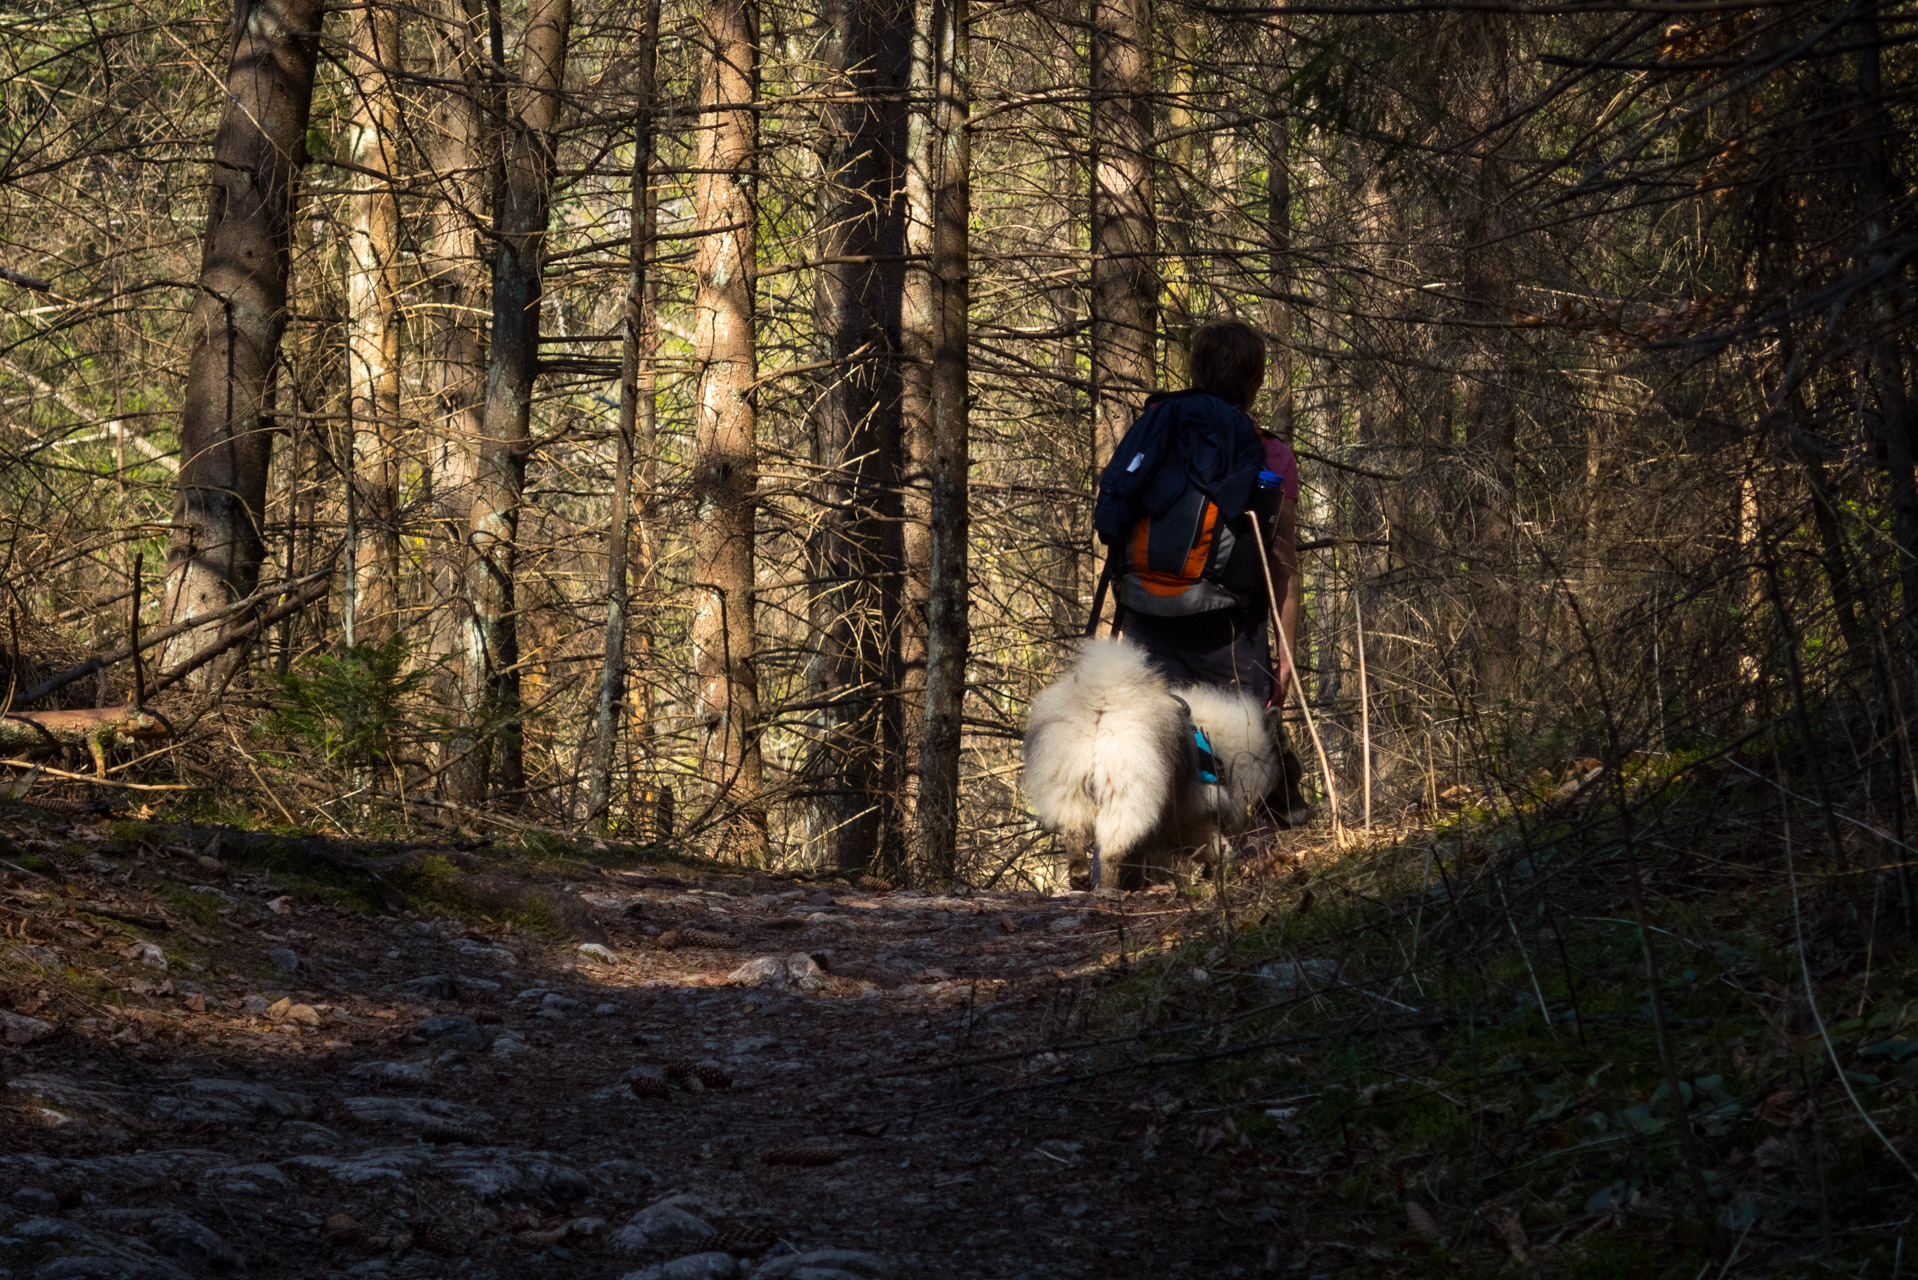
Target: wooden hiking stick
[{"x": 1285, "y": 648}]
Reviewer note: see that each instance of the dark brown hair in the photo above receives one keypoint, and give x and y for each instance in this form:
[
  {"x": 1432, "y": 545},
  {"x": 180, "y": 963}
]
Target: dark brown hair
[{"x": 1228, "y": 361}]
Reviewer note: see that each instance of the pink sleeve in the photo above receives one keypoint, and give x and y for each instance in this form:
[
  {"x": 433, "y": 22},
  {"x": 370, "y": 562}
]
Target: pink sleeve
[{"x": 1280, "y": 458}]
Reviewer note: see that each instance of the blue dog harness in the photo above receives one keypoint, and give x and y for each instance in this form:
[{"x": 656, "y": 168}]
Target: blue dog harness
[{"x": 1208, "y": 763}]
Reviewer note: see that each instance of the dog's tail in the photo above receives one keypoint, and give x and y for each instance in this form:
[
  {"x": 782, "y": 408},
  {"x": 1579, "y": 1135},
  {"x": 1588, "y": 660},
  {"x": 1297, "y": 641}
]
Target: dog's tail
[{"x": 1104, "y": 748}]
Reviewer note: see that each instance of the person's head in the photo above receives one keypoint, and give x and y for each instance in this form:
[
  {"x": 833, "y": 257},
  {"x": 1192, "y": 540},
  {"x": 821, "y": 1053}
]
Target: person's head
[{"x": 1228, "y": 361}]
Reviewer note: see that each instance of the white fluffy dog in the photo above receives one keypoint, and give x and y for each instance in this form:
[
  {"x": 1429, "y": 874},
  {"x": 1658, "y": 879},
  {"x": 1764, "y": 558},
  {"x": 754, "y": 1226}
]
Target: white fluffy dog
[{"x": 1113, "y": 765}]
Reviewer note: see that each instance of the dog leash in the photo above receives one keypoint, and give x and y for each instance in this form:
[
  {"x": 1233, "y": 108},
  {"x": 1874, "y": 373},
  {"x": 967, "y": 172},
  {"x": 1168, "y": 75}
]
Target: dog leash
[{"x": 1106, "y": 577}]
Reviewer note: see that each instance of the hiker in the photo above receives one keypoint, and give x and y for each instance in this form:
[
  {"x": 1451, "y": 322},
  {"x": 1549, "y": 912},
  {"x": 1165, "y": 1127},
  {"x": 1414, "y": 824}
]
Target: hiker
[{"x": 1175, "y": 506}]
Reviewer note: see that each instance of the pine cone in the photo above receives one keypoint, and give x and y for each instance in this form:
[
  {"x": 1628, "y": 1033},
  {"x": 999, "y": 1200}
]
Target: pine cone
[
  {"x": 344, "y": 1229},
  {"x": 681, "y": 1072},
  {"x": 1420, "y": 1220},
  {"x": 712, "y": 1075},
  {"x": 667, "y": 940},
  {"x": 740, "y": 1241},
  {"x": 707, "y": 938},
  {"x": 805, "y": 1155},
  {"x": 433, "y": 1238},
  {"x": 650, "y": 1086},
  {"x": 873, "y": 884}
]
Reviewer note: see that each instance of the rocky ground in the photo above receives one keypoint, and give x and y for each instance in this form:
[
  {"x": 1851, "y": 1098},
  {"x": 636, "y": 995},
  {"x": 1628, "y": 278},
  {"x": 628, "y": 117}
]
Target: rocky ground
[{"x": 212, "y": 1068}]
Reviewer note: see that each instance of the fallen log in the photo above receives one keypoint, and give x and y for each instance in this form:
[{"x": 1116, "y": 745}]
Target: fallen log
[
  {"x": 245, "y": 634},
  {"x": 83, "y": 777},
  {"x": 258, "y": 846},
  {"x": 61, "y": 679},
  {"x": 96, "y": 729}
]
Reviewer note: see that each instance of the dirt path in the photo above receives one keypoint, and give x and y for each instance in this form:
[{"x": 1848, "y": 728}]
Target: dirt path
[{"x": 744, "y": 1076}]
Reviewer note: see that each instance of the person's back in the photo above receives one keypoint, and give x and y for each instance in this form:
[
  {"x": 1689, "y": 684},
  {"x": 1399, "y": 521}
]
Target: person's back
[{"x": 1210, "y": 627}]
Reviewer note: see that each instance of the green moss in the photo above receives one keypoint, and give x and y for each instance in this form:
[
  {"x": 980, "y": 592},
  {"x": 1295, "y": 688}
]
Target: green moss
[
  {"x": 434, "y": 883},
  {"x": 201, "y": 908},
  {"x": 430, "y": 873}
]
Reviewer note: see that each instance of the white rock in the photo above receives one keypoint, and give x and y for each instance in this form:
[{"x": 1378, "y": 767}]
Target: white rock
[
  {"x": 804, "y": 972},
  {"x": 17, "y": 1028},
  {"x": 94, "y": 1254},
  {"x": 594, "y": 951},
  {"x": 62, "y": 1100},
  {"x": 761, "y": 971},
  {"x": 192, "y": 1242},
  {"x": 697, "y": 1266},
  {"x": 508, "y": 1044},
  {"x": 428, "y": 1117},
  {"x": 408, "y": 1073},
  {"x": 147, "y": 954},
  {"x": 480, "y": 952},
  {"x": 669, "y": 1223},
  {"x": 526, "y": 1177},
  {"x": 1287, "y": 975},
  {"x": 796, "y": 970},
  {"x": 228, "y": 1104},
  {"x": 248, "y": 1179},
  {"x": 824, "y": 1264}
]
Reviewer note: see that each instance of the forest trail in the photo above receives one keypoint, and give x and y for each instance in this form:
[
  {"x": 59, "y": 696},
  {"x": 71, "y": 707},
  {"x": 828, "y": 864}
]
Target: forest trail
[{"x": 745, "y": 1075}]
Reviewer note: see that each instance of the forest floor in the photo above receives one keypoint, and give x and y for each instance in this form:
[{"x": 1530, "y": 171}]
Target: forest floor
[
  {"x": 1442, "y": 1051},
  {"x": 226, "y": 1053}
]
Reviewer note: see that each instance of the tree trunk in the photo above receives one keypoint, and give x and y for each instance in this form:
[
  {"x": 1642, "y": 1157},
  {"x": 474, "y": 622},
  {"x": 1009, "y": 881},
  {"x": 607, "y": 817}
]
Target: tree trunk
[
  {"x": 855, "y": 557},
  {"x": 456, "y": 286},
  {"x": 523, "y": 193},
  {"x": 238, "y": 318},
  {"x": 1181, "y": 180},
  {"x": 1123, "y": 291},
  {"x": 1895, "y": 421},
  {"x": 1278, "y": 223},
  {"x": 941, "y": 148},
  {"x": 725, "y": 446},
  {"x": 373, "y": 334},
  {"x": 1489, "y": 284},
  {"x": 636, "y": 349}
]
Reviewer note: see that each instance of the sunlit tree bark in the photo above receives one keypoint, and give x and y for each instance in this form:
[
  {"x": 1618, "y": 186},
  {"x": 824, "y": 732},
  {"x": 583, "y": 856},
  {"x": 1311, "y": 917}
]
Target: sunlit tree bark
[
  {"x": 522, "y": 205},
  {"x": 939, "y": 195},
  {"x": 237, "y": 321},
  {"x": 454, "y": 358},
  {"x": 373, "y": 333},
  {"x": 726, "y": 454},
  {"x": 1124, "y": 330},
  {"x": 636, "y": 410}
]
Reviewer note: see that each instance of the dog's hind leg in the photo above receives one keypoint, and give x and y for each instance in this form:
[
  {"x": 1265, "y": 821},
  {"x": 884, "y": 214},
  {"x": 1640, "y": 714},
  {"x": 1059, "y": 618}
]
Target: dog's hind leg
[{"x": 1082, "y": 865}]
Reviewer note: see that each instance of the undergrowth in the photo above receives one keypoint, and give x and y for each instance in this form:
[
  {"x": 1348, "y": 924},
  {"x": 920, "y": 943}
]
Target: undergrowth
[{"x": 1443, "y": 1053}]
